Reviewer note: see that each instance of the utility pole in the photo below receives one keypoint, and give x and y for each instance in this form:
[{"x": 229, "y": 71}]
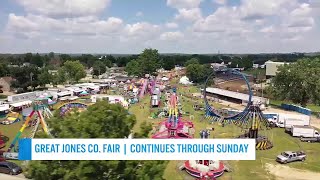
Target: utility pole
[{"x": 31, "y": 75}]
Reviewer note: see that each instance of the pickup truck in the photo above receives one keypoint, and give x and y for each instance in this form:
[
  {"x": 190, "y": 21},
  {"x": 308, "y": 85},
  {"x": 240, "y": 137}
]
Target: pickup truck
[{"x": 291, "y": 156}]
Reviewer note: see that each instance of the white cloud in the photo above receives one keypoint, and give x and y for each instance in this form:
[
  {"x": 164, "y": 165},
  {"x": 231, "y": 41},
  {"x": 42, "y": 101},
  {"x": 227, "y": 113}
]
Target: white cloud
[
  {"x": 172, "y": 25},
  {"x": 189, "y": 14},
  {"x": 141, "y": 30},
  {"x": 220, "y": 2},
  {"x": 251, "y": 26},
  {"x": 36, "y": 24},
  {"x": 257, "y": 9},
  {"x": 171, "y": 36},
  {"x": 314, "y": 3},
  {"x": 269, "y": 29},
  {"x": 65, "y": 8},
  {"x": 184, "y": 4},
  {"x": 224, "y": 19},
  {"x": 139, "y": 14}
]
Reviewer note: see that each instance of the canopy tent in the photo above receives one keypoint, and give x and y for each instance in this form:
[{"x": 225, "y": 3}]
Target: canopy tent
[
  {"x": 185, "y": 80},
  {"x": 50, "y": 102},
  {"x": 71, "y": 98},
  {"x": 83, "y": 93},
  {"x": 23, "y": 103},
  {"x": 164, "y": 79}
]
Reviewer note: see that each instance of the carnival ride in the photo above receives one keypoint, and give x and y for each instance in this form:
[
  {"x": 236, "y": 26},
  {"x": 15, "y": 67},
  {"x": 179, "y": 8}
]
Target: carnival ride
[
  {"x": 12, "y": 117},
  {"x": 67, "y": 107},
  {"x": 152, "y": 86},
  {"x": 40, "y": 109},
  {"x": 251, "y": 118},
  {"x": 204, "y": 169},
  {"x": 174, "y": 127},
  {"x": 143, "y": 88}
]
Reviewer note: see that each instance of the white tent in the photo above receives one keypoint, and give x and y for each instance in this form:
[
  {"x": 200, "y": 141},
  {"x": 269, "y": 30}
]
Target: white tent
[
  {"x": 165, "y": 79},
  {"x": 184, "y": 80}
]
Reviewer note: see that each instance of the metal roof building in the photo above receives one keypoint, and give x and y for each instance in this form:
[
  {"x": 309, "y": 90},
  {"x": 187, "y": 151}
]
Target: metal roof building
[{"x": 236, "y": 95}]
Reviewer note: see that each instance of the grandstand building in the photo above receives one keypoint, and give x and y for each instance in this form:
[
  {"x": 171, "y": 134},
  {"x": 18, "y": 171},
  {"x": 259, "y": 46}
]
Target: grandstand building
[
  {"x": 222, "y": 77},
  {"x": 235, "y": 97}
]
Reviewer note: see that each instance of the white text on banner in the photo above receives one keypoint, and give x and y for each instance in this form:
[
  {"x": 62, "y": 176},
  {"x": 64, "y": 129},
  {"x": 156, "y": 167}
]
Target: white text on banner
[{"x": 138, "y": 149}]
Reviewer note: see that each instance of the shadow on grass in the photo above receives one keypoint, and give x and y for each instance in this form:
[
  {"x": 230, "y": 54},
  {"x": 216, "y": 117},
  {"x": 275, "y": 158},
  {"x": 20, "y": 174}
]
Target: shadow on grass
[{"x": 3, "y": 141}]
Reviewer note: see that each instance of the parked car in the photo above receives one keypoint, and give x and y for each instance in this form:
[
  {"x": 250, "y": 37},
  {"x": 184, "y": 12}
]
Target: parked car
[
  {"x": 11, "y": 168},
  {"x": 290, "y": 156}
]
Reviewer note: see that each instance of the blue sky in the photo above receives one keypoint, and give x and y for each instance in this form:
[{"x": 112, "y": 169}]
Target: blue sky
[{"x": 171, "y": 26}]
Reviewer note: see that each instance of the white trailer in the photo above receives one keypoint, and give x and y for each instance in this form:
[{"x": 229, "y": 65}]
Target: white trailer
[
  {"x": 155, "y": 100},
  {"x": 289, "y": 122},
  {"x": 304, "y": 131}
]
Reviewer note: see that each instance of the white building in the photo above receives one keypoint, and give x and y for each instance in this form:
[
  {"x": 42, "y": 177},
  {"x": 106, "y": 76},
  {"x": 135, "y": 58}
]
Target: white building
[
  {"x": 238, "y": 97},
  {"x": 272, "y": 67}
]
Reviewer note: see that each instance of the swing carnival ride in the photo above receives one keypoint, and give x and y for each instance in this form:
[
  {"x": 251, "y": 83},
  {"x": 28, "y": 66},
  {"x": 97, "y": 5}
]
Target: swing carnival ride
[
  {"x": 174, "y": 127},
  {"x": 67, "y": 107},
  {"x": 251, "y": 118},
  {"x": 204, "y": 169},
  {"x": 40, "y": 110}
]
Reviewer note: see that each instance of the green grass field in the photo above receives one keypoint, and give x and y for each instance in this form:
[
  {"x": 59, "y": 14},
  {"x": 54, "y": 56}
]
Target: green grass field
[
  {"x": 243, "y": 170},
  {"x": 256, "y": 72},
  {"x": 10, "y": 131}
]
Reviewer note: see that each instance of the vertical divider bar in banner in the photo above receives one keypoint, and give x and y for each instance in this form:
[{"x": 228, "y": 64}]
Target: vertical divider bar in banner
[{"x": 25, "y": 149}]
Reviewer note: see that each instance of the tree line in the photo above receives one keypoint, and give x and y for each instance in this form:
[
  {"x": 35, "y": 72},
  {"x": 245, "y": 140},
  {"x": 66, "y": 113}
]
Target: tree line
[
  {"x": 72, "y": 68},
  {"x": 53, "y": 61}
]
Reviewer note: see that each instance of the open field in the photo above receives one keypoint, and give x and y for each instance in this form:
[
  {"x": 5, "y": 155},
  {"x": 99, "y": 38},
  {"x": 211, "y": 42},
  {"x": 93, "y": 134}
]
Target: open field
[
  {"x": 10, "y": 131},
  {"x": 236, "y": 86},
  {"x": 243, "y": 170},
  {"x": 264, "y": 168}
]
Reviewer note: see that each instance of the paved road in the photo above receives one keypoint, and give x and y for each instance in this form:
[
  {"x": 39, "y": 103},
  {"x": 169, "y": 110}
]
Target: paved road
[{"x": 8, "y": 177}]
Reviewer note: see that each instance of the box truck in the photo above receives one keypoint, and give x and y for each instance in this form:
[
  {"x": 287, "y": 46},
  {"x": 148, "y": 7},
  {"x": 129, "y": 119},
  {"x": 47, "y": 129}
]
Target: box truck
[
  {"x": 304, "y": 131},
  {"x": 289, "y": 122}
]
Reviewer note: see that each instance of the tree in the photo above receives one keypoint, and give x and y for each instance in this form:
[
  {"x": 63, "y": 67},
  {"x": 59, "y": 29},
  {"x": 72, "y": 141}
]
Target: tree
[
  {"x": 168, "y": 62},
  {"x": 51, "y": 55},
  {"x": 72, "y": 71},
  {"x": 37, "y": 60},
  {"x": 147, "y": 63},
  {"x": 133, "y": 68},
  {"x": 111, "y": 58},
  {"x": 198, "y": 73},
  {"x": 298, "y": 82},
  {"x": 65, "y": 57},
  {"x": 4, "y": 70},
  {"x": 101, "y": 120},
  {"x": 149, "y": 59},
  {"x": 99, "y": 68},
  {"x": 107, "y": 63},
  {"x": 25, "y": 77},
  {"x": 28, "y": 57},
  {"x": 191, "y": 61},
  {"x": 45, "y": 77}
]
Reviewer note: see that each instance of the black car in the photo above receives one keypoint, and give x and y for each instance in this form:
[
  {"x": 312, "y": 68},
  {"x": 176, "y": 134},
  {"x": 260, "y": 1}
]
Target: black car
[{"x": 10, "y": 168}]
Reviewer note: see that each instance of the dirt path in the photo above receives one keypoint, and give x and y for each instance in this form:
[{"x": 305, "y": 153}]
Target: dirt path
[
  {"x": 8, "y": 177},
  {"x": 282, "y": 172}
]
